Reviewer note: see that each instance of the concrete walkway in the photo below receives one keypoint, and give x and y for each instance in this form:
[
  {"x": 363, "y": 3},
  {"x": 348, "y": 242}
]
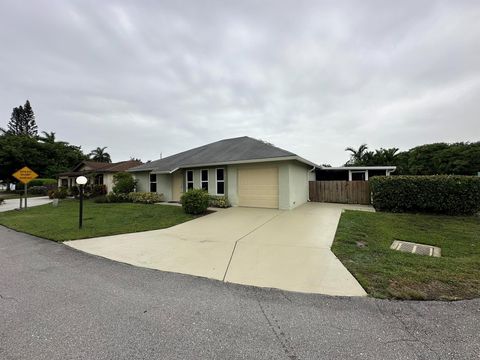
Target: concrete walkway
[
  {"x": 12, "y": 204},
  {"x": 288, "y": 250}
]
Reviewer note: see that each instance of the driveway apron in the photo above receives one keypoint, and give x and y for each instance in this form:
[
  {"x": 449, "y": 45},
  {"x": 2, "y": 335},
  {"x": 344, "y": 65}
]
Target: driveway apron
[{"x": 288, "y": 250}]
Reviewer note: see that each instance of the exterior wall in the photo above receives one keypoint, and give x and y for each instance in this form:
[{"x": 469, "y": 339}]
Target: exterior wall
[
  {"x": 212, "y": 178},
  {"x": 284, "y": 186},
  {"x": 164, "y": 186},
  {"x": 143, "y": 181},
  {"x": 299, "y": 175},
  {"x": 231, "y": 188},
  {"x": 108, "y": 181}
]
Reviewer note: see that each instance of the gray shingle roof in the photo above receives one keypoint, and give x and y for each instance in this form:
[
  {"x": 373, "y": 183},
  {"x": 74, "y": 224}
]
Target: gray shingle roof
[{"x": 223, "y": 151}]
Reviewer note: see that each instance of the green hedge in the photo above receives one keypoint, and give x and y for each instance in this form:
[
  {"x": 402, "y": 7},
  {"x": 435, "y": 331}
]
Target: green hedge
[
  {"x": 195, "y": 201},
  {"x": 135, "y": 197},
  {"x": 51, "y": 183},
  {"x": 441, "y": 194}
]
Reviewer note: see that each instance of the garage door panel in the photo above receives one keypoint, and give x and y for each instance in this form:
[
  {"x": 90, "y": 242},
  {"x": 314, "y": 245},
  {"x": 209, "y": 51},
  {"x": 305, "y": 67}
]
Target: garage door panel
[{"x": 258, "y": 187}]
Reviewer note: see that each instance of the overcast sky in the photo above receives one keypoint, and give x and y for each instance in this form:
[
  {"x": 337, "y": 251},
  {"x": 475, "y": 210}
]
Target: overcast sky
[{"x": 313, "y": 77}]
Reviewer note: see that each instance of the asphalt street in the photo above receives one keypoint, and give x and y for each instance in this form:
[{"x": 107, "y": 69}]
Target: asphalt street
[{"x": 59, "y": 303}]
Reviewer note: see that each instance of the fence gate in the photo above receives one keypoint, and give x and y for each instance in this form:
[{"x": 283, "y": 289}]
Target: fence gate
[{"x": 345, "y": 192}]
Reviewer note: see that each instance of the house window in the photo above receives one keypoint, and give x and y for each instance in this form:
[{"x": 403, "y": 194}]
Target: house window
[
  {"x": 153, "y": 182},
  {"x": 220, "y": 181},
  {"x": 204, "y": 180},
  {"x": 189, "y": 176},
  {"x": 64, "y": 183},
  {"x": 99, "y": 179}
]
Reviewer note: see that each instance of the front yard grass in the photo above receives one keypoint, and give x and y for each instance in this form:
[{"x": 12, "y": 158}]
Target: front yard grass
[
  {"x": 61, "y": 223},
  {"x": 362, "y": 243}
]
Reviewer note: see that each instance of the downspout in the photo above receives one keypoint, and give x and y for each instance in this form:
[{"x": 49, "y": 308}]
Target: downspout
[{"x": 309, "y": 171}]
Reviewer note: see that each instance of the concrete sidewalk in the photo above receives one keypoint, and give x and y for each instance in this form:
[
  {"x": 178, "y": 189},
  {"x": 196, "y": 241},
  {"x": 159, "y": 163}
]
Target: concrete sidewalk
[
  {"x": 289, "y": 250},
  {"x": 12, "y": 204}
]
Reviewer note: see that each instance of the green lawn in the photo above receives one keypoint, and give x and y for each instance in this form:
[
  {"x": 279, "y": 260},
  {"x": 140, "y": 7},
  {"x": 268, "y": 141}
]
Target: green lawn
[
  {"x": 61, "y": 223},
  {"x": 386, "y": 273}
]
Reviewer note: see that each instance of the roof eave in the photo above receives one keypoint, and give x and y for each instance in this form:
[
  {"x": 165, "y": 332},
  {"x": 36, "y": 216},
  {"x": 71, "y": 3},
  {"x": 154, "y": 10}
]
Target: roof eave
[
  {"x": 391, "y": 168},
  {"x": 236, "y": 162}
]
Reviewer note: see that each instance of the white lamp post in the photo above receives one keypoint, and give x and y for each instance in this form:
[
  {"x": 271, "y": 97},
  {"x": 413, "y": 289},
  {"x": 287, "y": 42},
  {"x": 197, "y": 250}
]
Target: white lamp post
[{"x": 81, "y": 180}]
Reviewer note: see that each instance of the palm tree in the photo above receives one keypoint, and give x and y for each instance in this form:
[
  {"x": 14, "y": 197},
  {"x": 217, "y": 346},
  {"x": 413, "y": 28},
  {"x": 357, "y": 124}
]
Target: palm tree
[
  {"x": 100, "y": 155},
  {"x": 357, "y": 156},
  {"x": 48, "y": 137},
  {"x": 390, "y": 155}
]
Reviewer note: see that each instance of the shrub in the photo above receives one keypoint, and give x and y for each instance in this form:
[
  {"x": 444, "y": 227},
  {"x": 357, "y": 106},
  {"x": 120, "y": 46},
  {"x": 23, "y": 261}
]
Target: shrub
[
  {"x": 145, "y": 197},
  {"x": 442, "y": 194},
  {"x": 38, "y": 190},
  {"x": 118, "y": 198},
  {"x": 60, "y": 193},
  {"x": 73, "y": 191},
  {"x": 92, "y": 191},
  {"x": 98, "y": 190},
  {"x": 123, "y": 183},
  {"x": 219, "y": 201},
  {"x": 195, "y": 201}
]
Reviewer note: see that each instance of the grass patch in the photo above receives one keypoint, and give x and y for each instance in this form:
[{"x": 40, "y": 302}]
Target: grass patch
[
  {"x": 61, "y": 223},
  {"x": 363, "y": 240}
]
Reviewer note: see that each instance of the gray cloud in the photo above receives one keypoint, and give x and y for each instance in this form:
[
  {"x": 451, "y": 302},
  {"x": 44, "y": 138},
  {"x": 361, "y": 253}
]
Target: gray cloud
[{"x": 313, "y": 77}]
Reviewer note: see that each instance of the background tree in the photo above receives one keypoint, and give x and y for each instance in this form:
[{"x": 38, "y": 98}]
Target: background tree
[
  {"x": 48, "y": 137},
  {"x": 20, "y": 146},
  {"x": 430, "y": 159},
  {"x": 357, "y": 156},
  {"x": 22, "y": 121},
  {"x": 47, "y": 159},
  {"x": 99, "y": 154}
]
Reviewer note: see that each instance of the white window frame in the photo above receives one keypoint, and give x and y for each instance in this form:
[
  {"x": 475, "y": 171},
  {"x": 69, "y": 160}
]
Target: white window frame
[
  {"x": 204, "y": 181},
  {"x": 189, "y": 182},
  {"x": 351, "y": 172},
  {"x": 219, "y": 181}
]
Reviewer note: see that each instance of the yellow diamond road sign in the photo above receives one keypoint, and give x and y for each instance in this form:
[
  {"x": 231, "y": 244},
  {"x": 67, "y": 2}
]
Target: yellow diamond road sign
[{"x": 25, "y": 175}]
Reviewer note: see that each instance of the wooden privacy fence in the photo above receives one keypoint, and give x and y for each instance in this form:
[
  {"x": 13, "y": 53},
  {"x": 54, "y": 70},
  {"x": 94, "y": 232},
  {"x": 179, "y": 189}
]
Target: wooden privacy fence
[{"x": 345, "y": 192}]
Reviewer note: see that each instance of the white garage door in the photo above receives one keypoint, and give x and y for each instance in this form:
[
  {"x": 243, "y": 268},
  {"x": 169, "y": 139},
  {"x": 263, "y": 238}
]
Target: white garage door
[{"x": 258, "y": 187}]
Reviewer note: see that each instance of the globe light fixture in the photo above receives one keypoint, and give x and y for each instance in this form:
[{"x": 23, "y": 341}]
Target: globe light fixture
[{"x": 81, "y": 180}]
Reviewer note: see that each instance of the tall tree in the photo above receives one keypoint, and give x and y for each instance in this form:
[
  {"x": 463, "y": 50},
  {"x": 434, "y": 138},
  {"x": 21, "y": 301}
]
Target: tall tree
[
  {"x": 29, "y": 119},
  {"x": 22, "y": 121},
  {"x": 99, "y": 154}
]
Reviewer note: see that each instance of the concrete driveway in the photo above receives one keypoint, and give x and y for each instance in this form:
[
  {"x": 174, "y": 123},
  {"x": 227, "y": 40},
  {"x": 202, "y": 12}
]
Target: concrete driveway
[
  {"x": 288, "y": 250},
  {"x": 12, "y": 204}
]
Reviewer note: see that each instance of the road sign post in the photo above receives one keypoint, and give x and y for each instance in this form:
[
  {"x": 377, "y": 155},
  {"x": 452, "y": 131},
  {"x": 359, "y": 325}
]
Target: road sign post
[{"x": 25, "y": 175}]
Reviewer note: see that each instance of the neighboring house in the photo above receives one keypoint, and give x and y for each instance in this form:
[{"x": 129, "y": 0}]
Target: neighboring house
[
  {"x": 353, "y": 173},
  {"x": 96, "y": 172},
  {"x": 247, "y": 171}
]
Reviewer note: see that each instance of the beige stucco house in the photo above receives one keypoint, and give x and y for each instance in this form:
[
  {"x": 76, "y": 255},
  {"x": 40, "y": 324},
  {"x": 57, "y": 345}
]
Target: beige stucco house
[
  {"x": 96, "y": 172},
  {"x": 247, "y": 171}
]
